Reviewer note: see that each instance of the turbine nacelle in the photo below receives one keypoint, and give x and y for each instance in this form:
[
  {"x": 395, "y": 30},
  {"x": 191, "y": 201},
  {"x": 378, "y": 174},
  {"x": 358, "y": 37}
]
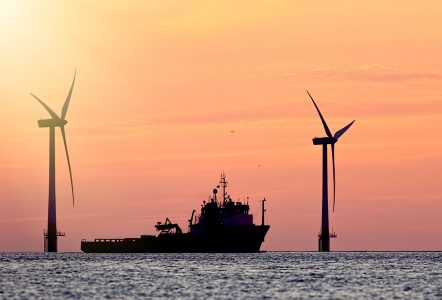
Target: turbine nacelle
[
  {"x": 324, "y": 141},
  {"x": 51, "y": 123}
]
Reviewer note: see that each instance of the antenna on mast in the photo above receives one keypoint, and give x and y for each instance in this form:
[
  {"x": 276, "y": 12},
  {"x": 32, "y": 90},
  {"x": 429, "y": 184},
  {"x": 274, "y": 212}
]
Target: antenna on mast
[{"x": 223, "y": 184}]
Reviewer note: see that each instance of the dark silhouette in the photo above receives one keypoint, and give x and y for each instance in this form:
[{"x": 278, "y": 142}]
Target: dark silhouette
[
  {"x": 222, "y": 226},
  {"x": 50, "y": 236},
  {"x": 324, "y": 235},
  {"x": 263, "y": 210}
]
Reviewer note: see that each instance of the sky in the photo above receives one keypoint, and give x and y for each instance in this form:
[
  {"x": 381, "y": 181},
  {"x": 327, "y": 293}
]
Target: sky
[{"x": 160, "y": 86}]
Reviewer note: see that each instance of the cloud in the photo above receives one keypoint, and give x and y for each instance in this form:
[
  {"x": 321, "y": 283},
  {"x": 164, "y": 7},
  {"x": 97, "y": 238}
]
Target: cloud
[
  {"x": 22, "y": 219},
  {"x": 377, "y": 66},
  {"x": 321, "y": 69},
  {"x": 228, "y": 118},
  {"x": 405, "y": 198},
  {"x": 43, "y": 218},
  {"x": 375, "y": 73}
]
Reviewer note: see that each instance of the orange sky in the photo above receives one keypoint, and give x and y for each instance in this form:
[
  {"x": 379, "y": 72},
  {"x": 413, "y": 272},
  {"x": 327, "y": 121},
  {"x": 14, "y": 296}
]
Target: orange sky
[{"x": 160, "y": 84}]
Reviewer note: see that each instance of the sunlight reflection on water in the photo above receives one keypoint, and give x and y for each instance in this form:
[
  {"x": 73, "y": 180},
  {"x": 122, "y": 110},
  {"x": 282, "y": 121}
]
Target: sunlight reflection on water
[{"x": 270, "y": 275}]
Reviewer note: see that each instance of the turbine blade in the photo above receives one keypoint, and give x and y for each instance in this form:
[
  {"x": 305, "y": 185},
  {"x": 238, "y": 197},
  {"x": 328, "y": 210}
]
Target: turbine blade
[
  {"x": 334, "y": 177},
  {"x": 68, "y": 99},
  {"x": 340, "y": 132},
  {"x": 327, "y": 131},
  {"x": 69, "y": 162},
  {"x": 50, "y": 111}
]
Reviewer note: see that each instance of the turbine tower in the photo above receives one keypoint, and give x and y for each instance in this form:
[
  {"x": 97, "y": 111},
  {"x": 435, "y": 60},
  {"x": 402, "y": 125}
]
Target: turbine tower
[
  {"x": 324, "y": 235},
  {"x": 56, "y": 121}
]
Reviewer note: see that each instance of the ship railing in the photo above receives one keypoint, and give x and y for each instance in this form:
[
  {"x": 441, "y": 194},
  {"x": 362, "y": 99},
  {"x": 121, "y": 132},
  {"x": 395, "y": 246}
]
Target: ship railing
[
  {"x": 109, "y": 240},
  {"x": 59, "y": 233},
  {"x": 332, "y": 235}
]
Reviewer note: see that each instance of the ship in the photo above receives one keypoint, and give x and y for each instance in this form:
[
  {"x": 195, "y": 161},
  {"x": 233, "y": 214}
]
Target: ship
[{"x": 222, "y": 226}]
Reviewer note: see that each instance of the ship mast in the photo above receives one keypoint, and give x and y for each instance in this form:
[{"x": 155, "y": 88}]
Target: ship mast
[
  {"x": 263, "y": 211},
  {"x": 223, "y": 184}
]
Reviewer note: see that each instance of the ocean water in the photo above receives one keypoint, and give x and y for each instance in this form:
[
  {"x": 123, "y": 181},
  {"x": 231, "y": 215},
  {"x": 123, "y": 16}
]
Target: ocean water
[{"x": 269, "y": 275}]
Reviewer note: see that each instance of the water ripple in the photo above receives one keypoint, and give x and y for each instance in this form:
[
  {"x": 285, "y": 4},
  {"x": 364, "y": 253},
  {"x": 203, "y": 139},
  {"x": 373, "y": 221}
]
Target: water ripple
[{"x": 271, "y": 275}]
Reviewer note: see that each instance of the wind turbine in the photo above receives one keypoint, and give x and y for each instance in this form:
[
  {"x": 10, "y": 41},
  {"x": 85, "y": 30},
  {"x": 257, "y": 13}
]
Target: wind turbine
[
  {"x": 56, "y": 121},
  {"x": 324, "y": 235}
]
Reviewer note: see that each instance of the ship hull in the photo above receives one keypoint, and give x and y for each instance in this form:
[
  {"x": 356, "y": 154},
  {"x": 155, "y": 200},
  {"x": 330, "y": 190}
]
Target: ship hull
[{"x": 236, "y": 240}]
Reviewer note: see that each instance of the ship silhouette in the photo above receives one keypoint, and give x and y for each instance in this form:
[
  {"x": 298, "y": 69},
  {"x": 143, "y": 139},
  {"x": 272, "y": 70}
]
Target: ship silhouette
[{"x": 222, "y": 226}]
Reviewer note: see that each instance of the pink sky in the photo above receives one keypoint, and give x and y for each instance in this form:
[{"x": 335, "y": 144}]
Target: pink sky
[{"x": 161, "y": 84}]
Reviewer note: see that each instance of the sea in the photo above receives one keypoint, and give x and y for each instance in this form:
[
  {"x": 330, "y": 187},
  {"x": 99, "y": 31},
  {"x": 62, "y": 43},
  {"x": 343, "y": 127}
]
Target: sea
[{"x": 266, "y": 275}]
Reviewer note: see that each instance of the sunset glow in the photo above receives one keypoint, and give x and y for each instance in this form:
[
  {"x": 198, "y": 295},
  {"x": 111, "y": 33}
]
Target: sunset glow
[{"x": 160, "y": 86}]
